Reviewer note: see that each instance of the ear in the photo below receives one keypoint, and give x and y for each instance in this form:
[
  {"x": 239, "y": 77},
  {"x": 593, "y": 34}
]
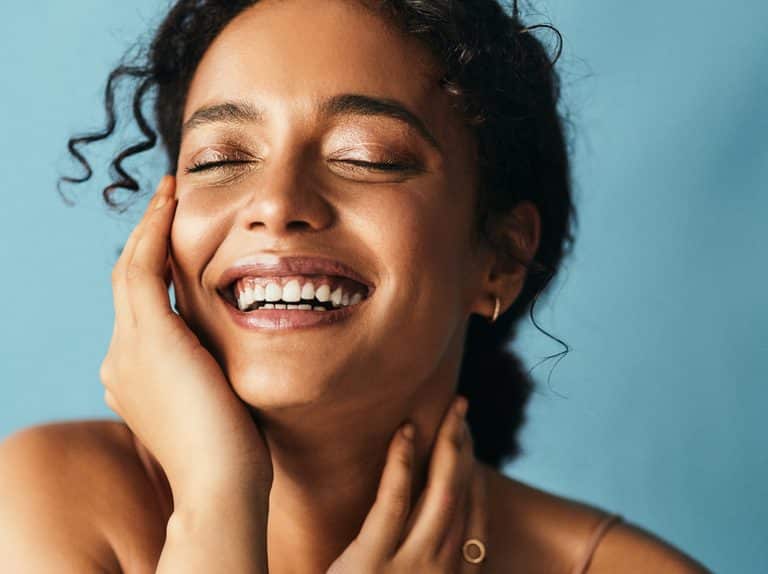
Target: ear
[{"x": 514, "y": 241}]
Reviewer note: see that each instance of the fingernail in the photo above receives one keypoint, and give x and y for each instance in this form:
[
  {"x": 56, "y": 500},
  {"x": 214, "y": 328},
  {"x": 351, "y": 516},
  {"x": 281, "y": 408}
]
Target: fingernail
[
  {"x": 161, "y": 201},
  {"x": 460, "y": 407},
  {"x": 408, "y": 431}
]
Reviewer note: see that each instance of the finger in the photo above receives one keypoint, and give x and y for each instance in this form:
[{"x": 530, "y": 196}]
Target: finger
[
  {"x": 150, "y": 246},
  {"x": 168, "y": 278},
  {"x": 147, "y": 266},
  {"x": 164, "y": 187},
  {"x": 123, "y": 310},
  {"x": 444, "y": 485},
  {"x": 383, "y": 527},
  {"x": 449, "y": 553},
  {"x": 168, "y": 273},
  {"x": 477, "y": 527},
  {"x": 450, "y": 549},
  {"x": 105, "y": 369},
  {"x": 418, "y": 511},
  {"x": 109, "y": 398}
]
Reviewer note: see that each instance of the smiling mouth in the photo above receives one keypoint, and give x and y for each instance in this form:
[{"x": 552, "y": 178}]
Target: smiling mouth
[{"x": 313, "y": 293}]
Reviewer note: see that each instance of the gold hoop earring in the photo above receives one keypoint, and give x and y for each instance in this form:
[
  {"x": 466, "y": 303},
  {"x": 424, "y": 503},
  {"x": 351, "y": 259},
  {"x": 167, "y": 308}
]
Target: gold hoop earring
[{"x": 496, "y": 309}]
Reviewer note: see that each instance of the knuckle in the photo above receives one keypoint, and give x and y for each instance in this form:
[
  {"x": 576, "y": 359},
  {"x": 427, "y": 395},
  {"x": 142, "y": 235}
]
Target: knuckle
[
  {"x": 109, "y": 398},
  {"x": 134, "y": 271},
  {"x": 352, "y": 560},
  {"x": 105, "y": 372},
  {"x": 468, "y": 439},
  {"x": 403, "y": 460},
  {"x": 448, "y": 497},
  {"x": 456, "y": 436},
  {"x": 398, "y": 502},
  {"x": 457, "y": 440},
  {"x": 408, "y": 562},
  {"x": 421, "y": 562}
]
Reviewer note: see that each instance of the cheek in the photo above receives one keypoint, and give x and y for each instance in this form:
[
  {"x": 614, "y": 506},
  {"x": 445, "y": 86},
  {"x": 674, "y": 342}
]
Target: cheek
[
  {"x": 427, "y": 246},
  {"x": 198, "y": 228},
  {"x": 424, "y": 246},
  {"x": 195, "y": 236}
]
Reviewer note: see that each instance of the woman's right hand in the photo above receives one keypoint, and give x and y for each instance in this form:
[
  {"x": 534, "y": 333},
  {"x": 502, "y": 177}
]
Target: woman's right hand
[
  {"x": 398, "y": 537},
  {"x": 167, "y": 387}
]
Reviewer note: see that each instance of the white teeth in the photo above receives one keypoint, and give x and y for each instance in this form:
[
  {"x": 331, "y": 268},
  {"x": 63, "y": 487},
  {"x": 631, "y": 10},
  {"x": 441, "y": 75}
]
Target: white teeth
[
  {"x": 308, "y": 291},
  {"x": 292, "y": 291},
  {"x": 323, "y": 293},
  {"x": 242, "y": 300},
  {"x": 336, "y": 297},
  {"x": 273, "y": 292}
]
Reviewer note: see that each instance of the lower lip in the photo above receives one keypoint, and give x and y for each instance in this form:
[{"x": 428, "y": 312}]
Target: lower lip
[{"x": 281, "y": 319}]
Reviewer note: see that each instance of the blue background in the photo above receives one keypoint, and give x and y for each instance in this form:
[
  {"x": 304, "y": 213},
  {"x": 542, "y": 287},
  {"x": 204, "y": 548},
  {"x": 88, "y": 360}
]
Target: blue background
[{"x": 655, "y": 412}]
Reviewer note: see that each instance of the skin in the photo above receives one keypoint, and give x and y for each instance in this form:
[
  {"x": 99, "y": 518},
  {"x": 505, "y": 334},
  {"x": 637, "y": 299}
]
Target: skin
[
  {"x": 283, "y": 447},
  {"x": 330, "y": 418}
]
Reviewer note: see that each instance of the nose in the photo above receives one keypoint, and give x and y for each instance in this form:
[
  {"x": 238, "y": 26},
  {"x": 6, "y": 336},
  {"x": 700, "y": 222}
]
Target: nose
[{"x": 284, "y": 201}]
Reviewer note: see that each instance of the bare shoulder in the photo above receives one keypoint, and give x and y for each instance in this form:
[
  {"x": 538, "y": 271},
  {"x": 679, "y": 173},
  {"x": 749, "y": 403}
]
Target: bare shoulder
[
  {"x": 630, "y": 549},
  {"x": 70, "y": 491},
  {"x": 545, "y": 532}
]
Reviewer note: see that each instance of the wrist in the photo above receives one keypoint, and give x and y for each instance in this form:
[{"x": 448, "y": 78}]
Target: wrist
[
  {"x": 192, "y": 516},
  {"x": 217, "y": 533},
  {"x": 205, "y": 493},
  {"x": 242, "y": 485}
]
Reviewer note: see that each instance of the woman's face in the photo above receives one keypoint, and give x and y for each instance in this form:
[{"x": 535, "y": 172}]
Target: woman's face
[{"x": 298, "y": 189}]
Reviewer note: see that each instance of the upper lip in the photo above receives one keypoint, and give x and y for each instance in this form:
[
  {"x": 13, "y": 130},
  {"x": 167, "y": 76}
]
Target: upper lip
[{"x": 277, "y": 266}]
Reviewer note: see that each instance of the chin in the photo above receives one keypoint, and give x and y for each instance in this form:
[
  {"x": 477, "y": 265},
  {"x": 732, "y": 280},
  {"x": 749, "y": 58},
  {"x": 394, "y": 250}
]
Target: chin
[{"x": 281, "y": 382}]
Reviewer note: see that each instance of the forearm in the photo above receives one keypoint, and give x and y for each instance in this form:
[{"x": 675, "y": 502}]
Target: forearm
[{"x": 217, "y": 535}]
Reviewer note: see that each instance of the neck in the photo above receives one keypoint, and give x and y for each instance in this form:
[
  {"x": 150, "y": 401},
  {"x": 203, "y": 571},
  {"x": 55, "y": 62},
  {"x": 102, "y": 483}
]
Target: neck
[{"x": 327, "y": 464}]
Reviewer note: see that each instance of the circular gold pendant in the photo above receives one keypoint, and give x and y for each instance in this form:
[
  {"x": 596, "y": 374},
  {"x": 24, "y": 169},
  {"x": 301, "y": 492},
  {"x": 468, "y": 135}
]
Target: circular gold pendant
[{"x": 473, "y": 542}]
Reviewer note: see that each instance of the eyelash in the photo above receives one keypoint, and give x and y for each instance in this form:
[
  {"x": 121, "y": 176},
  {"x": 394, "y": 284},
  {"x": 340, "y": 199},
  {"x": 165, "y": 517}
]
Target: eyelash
[
  {"x": 379, "y": 166},
  {"x": 214, "y": 165},
  {"x": 229, "y": 164}
]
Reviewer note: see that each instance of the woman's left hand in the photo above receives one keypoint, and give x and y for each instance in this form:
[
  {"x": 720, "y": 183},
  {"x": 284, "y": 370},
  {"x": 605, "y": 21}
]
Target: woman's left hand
[
  {"x": 451, "y": 510},
  {"x": 165, "y": 384}
]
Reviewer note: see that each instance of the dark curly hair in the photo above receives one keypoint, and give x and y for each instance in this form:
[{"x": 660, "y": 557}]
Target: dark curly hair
[{"x": 504, "y": 79}]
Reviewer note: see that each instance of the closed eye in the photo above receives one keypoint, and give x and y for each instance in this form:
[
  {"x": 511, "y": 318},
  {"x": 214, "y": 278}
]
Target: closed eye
[
  {"x": 215, "y": 165},
  {"x": 229, "y": 164},
  {"x": 379, "y": 166}
]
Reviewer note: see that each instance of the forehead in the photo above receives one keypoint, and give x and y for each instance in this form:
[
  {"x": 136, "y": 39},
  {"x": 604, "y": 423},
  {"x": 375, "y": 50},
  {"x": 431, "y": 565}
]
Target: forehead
[{"x": 297, "y": 52}]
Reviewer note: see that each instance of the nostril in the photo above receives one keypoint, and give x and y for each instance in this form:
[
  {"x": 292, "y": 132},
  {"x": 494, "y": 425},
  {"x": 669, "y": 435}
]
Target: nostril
[{"x": 299, "y": 225}]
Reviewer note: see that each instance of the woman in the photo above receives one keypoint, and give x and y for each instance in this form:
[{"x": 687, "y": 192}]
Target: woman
[{"x": 362, "y": 200}]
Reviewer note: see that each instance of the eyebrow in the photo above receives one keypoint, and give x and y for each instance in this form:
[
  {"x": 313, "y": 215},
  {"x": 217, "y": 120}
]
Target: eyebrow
[{"x": 242, "y": 112}]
